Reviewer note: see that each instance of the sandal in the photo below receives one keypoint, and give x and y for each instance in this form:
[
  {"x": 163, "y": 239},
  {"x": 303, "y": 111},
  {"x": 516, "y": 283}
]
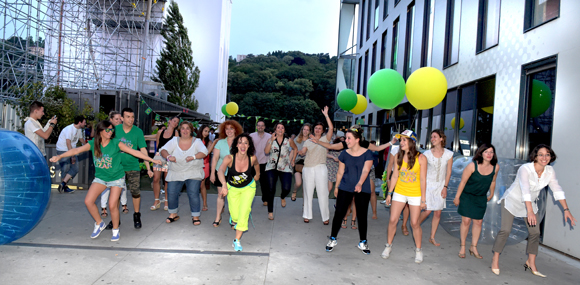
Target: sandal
[
  {"x": 405, "y": 230},
  {"x": 343, "y": 224},
  {"x": 204, "y": 208},
  {"x": 270, "y": 216},
  {"x": 472, "y": 252},
  {"x": 432, "y": 241},
  {"x": 217, "y": 224},
  {"x": 326, "y": 222},
  {"x": 104, "y": 213},
  {"x": 353, "y": 224},
  {"x": 460, "y": 254},
  {"x": 307, "y": 221},
  {"x": 125, "y": 209},
  {"x": 196, "y": 222},
  {"x": 283, "y": 203},
  {"x": 171, "y": 220},
  {"x": 155, "y": 206},
  {"x": 293, "y": 198}
]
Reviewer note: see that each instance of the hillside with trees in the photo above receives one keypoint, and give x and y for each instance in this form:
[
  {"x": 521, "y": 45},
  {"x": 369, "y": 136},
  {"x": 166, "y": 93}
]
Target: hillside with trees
[{"x": 283, "y": 85}]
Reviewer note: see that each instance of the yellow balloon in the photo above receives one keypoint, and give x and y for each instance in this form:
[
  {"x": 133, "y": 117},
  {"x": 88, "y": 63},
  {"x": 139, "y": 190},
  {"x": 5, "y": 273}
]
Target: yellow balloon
[
  {"x": 361, "y": 105},
  {"x": 232, "y": 108},
  {"x": 461, "y": 123},
  {"x": 426, "y": 88},
  {"x": 488, "y": 110}
]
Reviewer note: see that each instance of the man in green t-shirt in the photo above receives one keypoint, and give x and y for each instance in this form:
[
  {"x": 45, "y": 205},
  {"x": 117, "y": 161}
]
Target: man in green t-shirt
[{"x": 132, "y": 136}]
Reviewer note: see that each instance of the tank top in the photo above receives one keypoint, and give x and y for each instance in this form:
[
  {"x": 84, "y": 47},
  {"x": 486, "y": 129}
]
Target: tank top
[
  {"x": 162, "y": 140},
  {"x": 478, "y": 184},
  {"x": 239, "y": 179},
  {"x": 409, "y": 183}
]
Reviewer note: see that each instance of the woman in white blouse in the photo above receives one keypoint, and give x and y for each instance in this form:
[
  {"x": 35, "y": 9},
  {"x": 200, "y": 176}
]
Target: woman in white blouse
[
  {"x": 185, "y": 155},
  {"x": 520, "y": 201}
]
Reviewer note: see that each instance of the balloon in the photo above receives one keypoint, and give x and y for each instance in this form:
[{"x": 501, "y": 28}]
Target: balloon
[
  {"x": 461, "y": 123},
  {"x": 232, "y": 108},
  {"x": 24, "y": 186},
  {"x": 541, "y": 98},
  {"x": 426, "y": 88},
  {"x": 224, "y": 111},
  {"x": 346, "y": 99},
  {"x": 386, "y": 88},
  {"x": 488, "y": 110},
  {"x": 361, "y": 105}
]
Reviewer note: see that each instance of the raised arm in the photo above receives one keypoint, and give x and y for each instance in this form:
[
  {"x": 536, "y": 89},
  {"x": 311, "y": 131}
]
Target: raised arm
[
  {"x": 71, "y": 152},
  {"x": 329, "y": 122},
  {"x": 336, "y": 146},
  {"x": 269, "y": 144},
  {"x": 464, "y": 177},
  {"x": 373, "y": 147}
]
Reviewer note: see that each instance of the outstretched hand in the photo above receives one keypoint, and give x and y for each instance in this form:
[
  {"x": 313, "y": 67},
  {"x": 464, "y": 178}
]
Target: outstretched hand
[
  {"x": 55, "y": 158},
  {"x": 313, "y": 139},
  {"x": 325, "y": 111}
]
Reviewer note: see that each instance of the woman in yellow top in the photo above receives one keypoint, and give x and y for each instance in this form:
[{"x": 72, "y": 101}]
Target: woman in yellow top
[{"x": 408, "y": 184}]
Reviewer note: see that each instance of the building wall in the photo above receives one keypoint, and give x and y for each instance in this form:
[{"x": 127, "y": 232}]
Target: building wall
[
  {"x": 515, "y": 49},
  {"x": 208, "y": 25}
]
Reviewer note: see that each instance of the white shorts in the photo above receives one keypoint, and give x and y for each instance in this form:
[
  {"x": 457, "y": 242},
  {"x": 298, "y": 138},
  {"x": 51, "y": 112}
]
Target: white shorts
[{"x": 413, "y": 201}]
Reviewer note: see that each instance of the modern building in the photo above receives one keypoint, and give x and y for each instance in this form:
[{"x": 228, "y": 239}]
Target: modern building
[
  {"x": 208, "y": 25},
  {"x": 502, "y": 59}
]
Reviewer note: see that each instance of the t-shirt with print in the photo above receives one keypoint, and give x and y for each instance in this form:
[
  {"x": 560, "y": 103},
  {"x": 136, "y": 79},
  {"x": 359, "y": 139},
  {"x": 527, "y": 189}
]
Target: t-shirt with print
[
  {"x": 353, "y": 167},
  {"x": 133, "y": 139},
  {"x": 108, "y": 167}
]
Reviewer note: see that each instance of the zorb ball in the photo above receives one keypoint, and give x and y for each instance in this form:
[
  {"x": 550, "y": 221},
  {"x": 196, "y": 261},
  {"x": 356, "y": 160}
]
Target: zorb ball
[{"x": 24, "y": 186}]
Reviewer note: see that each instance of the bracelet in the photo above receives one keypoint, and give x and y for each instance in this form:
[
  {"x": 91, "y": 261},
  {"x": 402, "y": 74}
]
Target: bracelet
[
  {"x": 445, "y": 186},
  {"x": 566, "y": 210},
  {"x": 52, "y": 124},
  {"x": 424, "y": 202},
  {"x": 390, "y": 192}
]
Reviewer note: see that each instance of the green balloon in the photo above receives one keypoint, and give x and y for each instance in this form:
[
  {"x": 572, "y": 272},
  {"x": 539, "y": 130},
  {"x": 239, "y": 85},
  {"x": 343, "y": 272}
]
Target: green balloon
[
  {"x": 346, "y": 99},
  {"x": 386, "y": 88},
  {"x": 224, "y": 110},
  {"x": 541, "y": 98}
]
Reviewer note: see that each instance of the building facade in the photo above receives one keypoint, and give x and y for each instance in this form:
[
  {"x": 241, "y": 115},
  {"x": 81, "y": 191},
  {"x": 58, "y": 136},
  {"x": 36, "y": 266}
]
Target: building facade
[
  {"x": 208, "y": 25},
  {"x": 510, "y": 65}
]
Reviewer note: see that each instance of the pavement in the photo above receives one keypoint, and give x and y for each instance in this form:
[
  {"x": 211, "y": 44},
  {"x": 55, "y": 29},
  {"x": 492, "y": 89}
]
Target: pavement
[{"x": 283, "y": 251}]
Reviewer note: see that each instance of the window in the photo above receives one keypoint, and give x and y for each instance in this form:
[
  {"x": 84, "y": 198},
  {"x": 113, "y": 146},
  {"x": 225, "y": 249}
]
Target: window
[
  {"x": 539, "y": 12},
  {"x": 397, "y": 2},
  {"x": 488, "y": 24},
  {"x": 360, "y": 71},
  {"x": 370, "y": 121},
  {"x": 538, "y": 90},
  {"x": 377, "y": 11},
  {"x": 464, "y": 124},
  {"x": 485, "y": 101},
  {"x": 383, "y": 49},
  {"x": 395, "y": 45},
  {"x": 423, "y": 129},
  {"x": 385, "y": 9},
  {"x": 427, "y": 45},
  {"x": 366, "y": 76},
  {"x": 408, "y": 65},
  {"x": 450, "y": 108},
  {"x": 436, "y": 123},
  {"x": 374, "y": 59},
  {"x": 362, "y": 19},
  {"x": 451, "y": 53},
  {"x": 369, "y": 8}
]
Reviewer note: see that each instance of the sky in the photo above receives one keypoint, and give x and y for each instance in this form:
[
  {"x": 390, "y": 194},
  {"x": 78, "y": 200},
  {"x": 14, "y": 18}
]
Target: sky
[{"x": 262, "y": 26}]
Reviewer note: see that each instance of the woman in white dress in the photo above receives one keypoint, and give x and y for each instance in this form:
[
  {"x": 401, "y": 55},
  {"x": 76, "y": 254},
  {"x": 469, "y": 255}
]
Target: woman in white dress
[{"x": 440, "y": 161}]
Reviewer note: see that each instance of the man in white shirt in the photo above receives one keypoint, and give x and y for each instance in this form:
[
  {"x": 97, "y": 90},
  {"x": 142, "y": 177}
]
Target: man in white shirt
[
  {"x": 211, "y": 134},
  {"x": 34, "y": 130},
  {"x": 260, "y": 138},
  {"x": 67, "y": 140}
]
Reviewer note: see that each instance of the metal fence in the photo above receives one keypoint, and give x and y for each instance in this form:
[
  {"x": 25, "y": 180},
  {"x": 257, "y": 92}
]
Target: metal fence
[
  {"x": 9, "y": 120},
  {"x": 86, "y": 169}
]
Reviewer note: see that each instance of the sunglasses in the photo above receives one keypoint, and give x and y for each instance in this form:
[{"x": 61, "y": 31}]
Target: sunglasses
[{"x": 110, "y": 130}]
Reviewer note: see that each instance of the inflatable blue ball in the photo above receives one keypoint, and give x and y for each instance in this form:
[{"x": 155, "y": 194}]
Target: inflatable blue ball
[{"x": 24, "y": 186}]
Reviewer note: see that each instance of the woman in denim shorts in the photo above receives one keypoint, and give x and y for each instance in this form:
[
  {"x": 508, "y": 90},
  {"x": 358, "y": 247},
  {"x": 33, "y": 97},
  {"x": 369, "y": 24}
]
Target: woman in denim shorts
[{"x": 106, "y": 152}]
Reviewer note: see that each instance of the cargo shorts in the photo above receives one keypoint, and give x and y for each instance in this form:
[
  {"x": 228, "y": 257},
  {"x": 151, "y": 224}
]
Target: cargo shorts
[{"x": 134, "y": 183}]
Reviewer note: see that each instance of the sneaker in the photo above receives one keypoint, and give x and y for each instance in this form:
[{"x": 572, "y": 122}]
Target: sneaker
[
  {"x": 237, "y": 245},
  {"x": 137, "y": 220},
  {"x": 364, "y": 247},
  {"x": 331, "y": 244},
  {"x": 68, "y": 190},
  {"x": 418, "y": 255},
  {"x": 387, "y": 252},
  {"x": 110, "y": 225},
  {"x": 98, "y": 229},
  {"x": 61, "y": 187},
  {"x": 384, "y": 202},
  {"x": 116, "y": 235}
]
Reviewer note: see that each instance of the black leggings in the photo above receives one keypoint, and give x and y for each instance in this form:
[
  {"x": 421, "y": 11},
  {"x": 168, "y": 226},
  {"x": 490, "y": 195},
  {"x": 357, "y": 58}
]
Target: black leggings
[
  {"x": 285, "y": 179},
  {"x": 361, "y": 201}
]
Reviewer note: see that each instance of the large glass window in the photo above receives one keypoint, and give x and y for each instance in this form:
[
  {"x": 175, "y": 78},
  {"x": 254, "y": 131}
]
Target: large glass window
[
  {"x": 540, "y": 108},
  {"x": 450, "y": 108},
  {"x": 408, "y": 66},
  {"x": 488, "y": 24},
  {"x": 374, "y": 59},
  {"x": 395, "y": 44},
  {"x": 377, "y": 16},
  {"x": 362, "y": 19},
  {"x": 465, "y": 122},
  {"x": 360, "y": 72},
  {"x": 452, "y": 23},
  {"x": 427, "y": 44},
  {"x": 423, "y": 132},
  {"x": 436, "y": 122},
  {"x": 366, "y": 76},
  {"x": 369, "y": 8},
  {"x": 485, "y": 101},
  {"x": 540, "y": 11},
  {"x": 383, "y": 49},
  {"x": 385, "y": 9}
]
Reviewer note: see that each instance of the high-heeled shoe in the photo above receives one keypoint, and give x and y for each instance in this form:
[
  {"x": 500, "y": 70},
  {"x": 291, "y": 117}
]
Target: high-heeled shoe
[
  {"x": 495, "y": 271},
  {"x": 156, "y": 205},
  {"x": 471, "y": 252},
  {"x": 537, "y": 273},
  {"x": 461, "y": 255}
]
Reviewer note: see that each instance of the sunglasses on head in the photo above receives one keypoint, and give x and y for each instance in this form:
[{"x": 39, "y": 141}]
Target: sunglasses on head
[{"x": 109, "y": 130}]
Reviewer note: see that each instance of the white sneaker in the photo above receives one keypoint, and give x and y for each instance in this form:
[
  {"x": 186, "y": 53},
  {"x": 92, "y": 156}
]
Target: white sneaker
[
  {"x": 387, "y": 252},
  {"x": 331, "y": 244},
  {"x": 364, "y": 247},
  {"x": 418, "y": 255}
]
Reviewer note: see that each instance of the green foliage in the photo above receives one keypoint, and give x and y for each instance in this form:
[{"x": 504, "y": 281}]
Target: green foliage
[
  {"x": 175, "y": 67},
  {"x": 283, "y": 85}
]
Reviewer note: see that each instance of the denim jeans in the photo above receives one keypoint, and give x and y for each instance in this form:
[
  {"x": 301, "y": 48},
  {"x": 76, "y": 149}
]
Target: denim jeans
[
  {"x": 174, "y": 190},
  {"x": 67, "y": 167}
]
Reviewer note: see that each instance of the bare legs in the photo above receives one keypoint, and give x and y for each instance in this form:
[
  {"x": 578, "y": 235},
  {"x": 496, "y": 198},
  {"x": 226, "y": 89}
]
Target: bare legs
[
  {"x": 475, "y": 233},
  {"x": 94, "y": 191},
  {"x": 434, "y": 224},
  {"x": 373, "y": 199},
  {"x": 219, "y": 206},
  {"x": 297, "y": 184},
  {"x": 156, "y": 188},
  {"x": 405, "y": 219},
  {"x": 203, "y": 192}
]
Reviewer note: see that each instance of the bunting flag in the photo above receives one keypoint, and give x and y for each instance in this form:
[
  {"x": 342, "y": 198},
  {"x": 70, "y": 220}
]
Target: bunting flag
[
  {"x": 148, "y": 111},
  {"x": 157, "y": 117},
  {"x": 143, "y": 101}
]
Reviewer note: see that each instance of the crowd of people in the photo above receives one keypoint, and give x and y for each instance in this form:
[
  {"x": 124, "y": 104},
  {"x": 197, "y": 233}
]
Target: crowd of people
[{"x": 236, "y": 162}]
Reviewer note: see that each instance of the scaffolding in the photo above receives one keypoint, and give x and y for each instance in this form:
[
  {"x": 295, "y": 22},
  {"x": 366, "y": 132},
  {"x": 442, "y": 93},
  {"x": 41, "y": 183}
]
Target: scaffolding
[{"x": 83, "y": 44}]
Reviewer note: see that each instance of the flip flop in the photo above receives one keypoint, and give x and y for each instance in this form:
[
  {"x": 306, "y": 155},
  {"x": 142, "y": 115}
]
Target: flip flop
[
  {"x": 171, "y": 220},
  {"x": 343, "y": 224}
]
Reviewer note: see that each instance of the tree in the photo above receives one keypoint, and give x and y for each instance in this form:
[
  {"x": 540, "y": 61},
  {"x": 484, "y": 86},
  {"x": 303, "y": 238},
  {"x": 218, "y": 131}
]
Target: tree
[{"x": 175, "y": 68}]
